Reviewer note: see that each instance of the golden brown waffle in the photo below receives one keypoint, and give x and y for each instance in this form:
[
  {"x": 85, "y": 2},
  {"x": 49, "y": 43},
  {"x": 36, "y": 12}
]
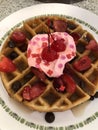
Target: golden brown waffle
[{"x": 51, "y": 100}]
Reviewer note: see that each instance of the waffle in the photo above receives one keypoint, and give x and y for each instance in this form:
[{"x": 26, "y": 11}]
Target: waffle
[{"x": 51, "y": 100}]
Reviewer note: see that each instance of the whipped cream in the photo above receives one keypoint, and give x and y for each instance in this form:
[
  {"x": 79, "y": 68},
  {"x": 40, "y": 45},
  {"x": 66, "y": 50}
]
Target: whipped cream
[{"x": 56, "y": 67}]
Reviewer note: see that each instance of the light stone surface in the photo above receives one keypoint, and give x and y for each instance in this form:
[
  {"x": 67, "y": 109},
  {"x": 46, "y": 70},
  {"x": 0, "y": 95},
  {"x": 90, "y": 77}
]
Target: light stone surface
[{"x": 9, "y": 6}]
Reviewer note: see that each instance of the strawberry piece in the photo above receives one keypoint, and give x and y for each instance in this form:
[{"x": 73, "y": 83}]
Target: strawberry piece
[
  {"x": 59, "y": 85},
  {"x": 59, "y": 25},
  {"x": 6, "y": 65},
  {"x": 48, "y": 54},
  {"x": 92, "y": 45},
  {"x": 82, "y": 64},
  {"x": 69, "y": 83},
  {"x": 75, "y": 36},
  {"x": 26, "y": 93},
  {"x": 30, "y": 93},
  {"x": 58, "y": 45},
  {"x": 39, "y": 74},
  {"x": 37, "y": 89},
  {"x": 18, "y": 37},
  {"x": 64, "y": 83}
]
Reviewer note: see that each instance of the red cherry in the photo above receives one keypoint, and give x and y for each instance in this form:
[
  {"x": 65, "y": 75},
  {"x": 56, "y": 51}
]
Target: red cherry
[
  {"x": 58, "y": 45},
  {"x": 48, "y": 54}
]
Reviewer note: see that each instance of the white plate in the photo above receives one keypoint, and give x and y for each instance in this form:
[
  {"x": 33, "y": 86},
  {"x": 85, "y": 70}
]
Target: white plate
[{"x": 13, "y": 116}]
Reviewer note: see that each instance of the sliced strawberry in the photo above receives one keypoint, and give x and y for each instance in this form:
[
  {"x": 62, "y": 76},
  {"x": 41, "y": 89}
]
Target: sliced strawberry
[
  {"x": 69, "y": 83},
  {"x": 59, "y": 85},
  {"x": 37, "y": 89},
  {"x": 26, "y": 93},
  {"x": 59, "y": 25},
  {"x": 58, "y": 45},
  {"x": 92, "y": 45},
  {"x": 6, "y": 65},
  {"x": 40, "y": 74},
  {"x": 30, "y": 93},
  {"x": 64, "y": 83},
  {"x": 75, "y": 36},
  {"x": 18, "y": 36},
  {"x": 82, "y": 64}
]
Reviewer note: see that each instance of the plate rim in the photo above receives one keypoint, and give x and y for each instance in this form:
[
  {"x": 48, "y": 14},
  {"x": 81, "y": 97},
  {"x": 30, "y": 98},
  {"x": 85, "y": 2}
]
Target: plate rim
[{"x": 3, "y": 21}]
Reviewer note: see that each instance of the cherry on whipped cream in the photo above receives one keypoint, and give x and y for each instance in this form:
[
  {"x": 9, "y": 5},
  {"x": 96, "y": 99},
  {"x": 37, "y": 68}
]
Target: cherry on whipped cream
[
  {"x": 58, "y": 45},
  {"x": 48, "y": 54},
  {"x": 53, "y": 52}
]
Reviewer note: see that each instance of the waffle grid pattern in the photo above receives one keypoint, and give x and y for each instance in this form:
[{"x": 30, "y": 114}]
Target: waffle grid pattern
[{"x": 51, "y": 100}]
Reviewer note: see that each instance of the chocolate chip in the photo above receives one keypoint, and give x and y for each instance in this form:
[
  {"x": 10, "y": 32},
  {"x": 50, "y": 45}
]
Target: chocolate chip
[
  {"x": 23, "y": 47},
  {"x": 11, "y": 44},
  {"x": 49, "y": 117},
  {"x": 80, "y": 47},
  {"x": 71, "y": 26},
  {"x": 13, "y": 55},
  {"x": 92, "y": 98},
  {"x": 16, "y": 86},
  {"x": 96, "y": 95},
  {"x": 28, "y": 76}
]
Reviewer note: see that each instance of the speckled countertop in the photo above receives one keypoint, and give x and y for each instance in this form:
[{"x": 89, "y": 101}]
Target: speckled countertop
[{"x": 9, "y": 6}]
